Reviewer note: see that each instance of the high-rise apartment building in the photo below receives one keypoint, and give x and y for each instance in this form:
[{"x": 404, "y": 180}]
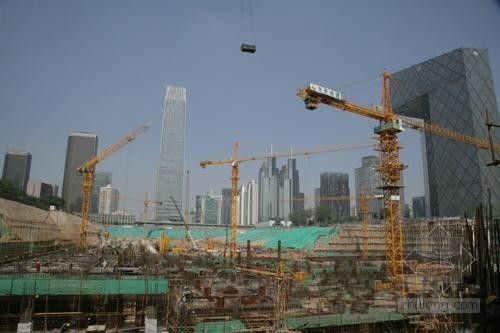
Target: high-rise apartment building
[
  {"x": 101, "y": 179},
  {"x": 108, "y": 199},
  {"x": 268, "y": 190},
  {"x": 17, "y": 167},
  {"x": 367, "y": 181},
  {"x": 334, "y": 186},
  {"x": 454, "y": 91},
  {"x": 249, "y": 196},
  {"x": 40, "y": 189},
  {"x": 81, "y": 148},
  {"x": 317, "y": 197},
  {"x": 171, "y": 169}
]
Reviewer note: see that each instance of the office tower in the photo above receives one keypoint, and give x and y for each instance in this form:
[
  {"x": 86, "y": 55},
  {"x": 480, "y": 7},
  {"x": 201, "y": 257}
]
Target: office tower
[
  {"x": 208, "y": 207},
  {"x": 101, "y": 179},
  {"x": 81, "y": 148},
  {"x": 418, "y": 205},
  {"x": 288, "y": 190},
  {"x": 17, "y": 167},
  {"x": 226, "y": 206},
  {"x": 334, "y": 190},
  {"x": 268, "y": 190},
  {"x": 454, "y": 91},
  {"x": 249, "y": 196},
  {"x": 39, "y": 189},
  {"x": 171, "y": 169},
  {"x": 317, "y": 197},
  {"x": 367, "y": 180},
  {"x": 108, "y": 199}
]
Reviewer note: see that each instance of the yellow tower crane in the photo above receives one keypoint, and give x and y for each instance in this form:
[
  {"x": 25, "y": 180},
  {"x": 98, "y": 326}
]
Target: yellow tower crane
[
  {"x": 88, "y": 170},
  {"x": 390, "y": 166},
  {"x": 235, "y": 176},
  {"x": 146, "y": 203}
]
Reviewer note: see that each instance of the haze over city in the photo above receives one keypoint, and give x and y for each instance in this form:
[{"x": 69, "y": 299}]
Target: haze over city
[{"x": 102, "y": 67}]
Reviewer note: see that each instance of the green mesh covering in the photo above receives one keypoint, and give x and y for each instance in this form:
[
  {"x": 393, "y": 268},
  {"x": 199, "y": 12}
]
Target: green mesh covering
[
  {"x": 40, "y": 284},
  {"x": 219, "y": 326},
  {"x": 296, "y": 238},
  {"x": 258, "y": 235},
  {"x": 374, "y": 315},
  {"x": 173, "y": 233}
]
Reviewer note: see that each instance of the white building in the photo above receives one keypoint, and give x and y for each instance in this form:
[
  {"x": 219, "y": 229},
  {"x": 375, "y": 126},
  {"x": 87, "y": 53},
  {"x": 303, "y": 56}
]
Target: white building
[
  {"x": 108, "y": 199},
  {"x": 249, "y": 210}
]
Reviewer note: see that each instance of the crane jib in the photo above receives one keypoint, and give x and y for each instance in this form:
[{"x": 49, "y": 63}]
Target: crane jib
[{"x": 325, "y": 91}]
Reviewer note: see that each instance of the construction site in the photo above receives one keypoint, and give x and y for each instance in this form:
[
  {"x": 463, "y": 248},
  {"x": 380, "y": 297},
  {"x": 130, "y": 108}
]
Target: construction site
[
  {"x": 311, "y": 279},
  {"x": 63, "y": 272}
]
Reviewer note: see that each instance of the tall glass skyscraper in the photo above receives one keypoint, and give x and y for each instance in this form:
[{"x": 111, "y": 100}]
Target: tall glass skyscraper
[
  {"x": 171, "y": 169},
  {"x": 81, "y": 148},
  {"x": 454, "y": 91},
  {"x": 17, "y": 168}
]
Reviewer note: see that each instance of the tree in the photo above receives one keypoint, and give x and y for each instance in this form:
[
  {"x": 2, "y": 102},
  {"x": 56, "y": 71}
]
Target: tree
[
  {"x": 323, "y": 215},
  {"x": 300, "y": 217},
  {"x": 8, "y": 190}
]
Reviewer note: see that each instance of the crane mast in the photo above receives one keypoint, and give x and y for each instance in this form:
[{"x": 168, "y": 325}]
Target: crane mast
[
  {"x": 390, "y": 167},
  {"x": 88, "y": 170}
]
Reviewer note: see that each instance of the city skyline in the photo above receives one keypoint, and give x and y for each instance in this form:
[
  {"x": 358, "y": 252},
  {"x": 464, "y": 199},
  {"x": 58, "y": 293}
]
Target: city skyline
[{"x": 105, "y": 82}]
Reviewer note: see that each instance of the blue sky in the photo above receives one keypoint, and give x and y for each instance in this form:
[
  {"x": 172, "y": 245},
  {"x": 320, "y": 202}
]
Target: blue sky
[{"x": 102, "y": 67}]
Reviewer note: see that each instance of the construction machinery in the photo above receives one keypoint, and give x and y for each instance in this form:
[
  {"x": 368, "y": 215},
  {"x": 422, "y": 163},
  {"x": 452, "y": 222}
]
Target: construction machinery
[
  {"x": 235, "y": 176},
  {"x": 186, "y": 225},
  {"x": 390, "y": 166},
  {"x": 146, "y": 203},
  {"x": 88, "y": 170}
]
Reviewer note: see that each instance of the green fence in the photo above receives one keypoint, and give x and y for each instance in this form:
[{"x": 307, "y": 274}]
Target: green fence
[
  {"x": 40, "y": 284},
  {"x": 219, "y": 327}
]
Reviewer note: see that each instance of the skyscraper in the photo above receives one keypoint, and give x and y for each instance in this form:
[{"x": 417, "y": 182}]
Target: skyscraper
[
  {"x": 17, "y": 167},
  {"x": 226, "y": 206},
  {"x": 170, "y": 180},
  {"x": 249, "y": 203},
  {"x": 108, "y": 199},
  {"x": 208, "y": 208},
  {"x": 101, "y": 179},
  {"x": 367, "y": 180},
  {"x": 40, "y": 189},
  {"x": 81, "y": 148},
  {"x": 289, "y": 191},
  {"x": 268, "y": 190},
  {"x": 454, "y": 91},
  {"x": 334, "y": 186},
  {"x": 418, "y": 205}
]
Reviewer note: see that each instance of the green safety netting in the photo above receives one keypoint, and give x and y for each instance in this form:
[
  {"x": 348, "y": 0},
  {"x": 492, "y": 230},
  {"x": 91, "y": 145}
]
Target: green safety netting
[
  {"x": 374, "y": 315},
  {"x": 219, "y": 326},
  {"x": 296, "y": 238},
  {"x": 173, "y": 233},
  {"x": 39, "y": 284}
]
